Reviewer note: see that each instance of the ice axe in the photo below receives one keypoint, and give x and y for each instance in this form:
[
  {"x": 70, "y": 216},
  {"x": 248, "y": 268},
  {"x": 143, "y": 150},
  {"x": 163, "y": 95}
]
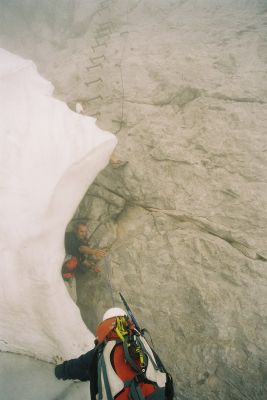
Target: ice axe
[{"x": 130, "y": 314}]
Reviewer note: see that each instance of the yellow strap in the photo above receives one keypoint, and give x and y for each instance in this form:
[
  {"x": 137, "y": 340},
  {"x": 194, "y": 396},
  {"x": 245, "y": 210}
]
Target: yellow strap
[
  {"x": 120, "y": 330},
  {"x": 119, "y": 334}
]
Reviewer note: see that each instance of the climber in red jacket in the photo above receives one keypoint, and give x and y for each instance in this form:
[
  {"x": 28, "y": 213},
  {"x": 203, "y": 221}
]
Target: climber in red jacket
[{"x": 122, "y": 365}]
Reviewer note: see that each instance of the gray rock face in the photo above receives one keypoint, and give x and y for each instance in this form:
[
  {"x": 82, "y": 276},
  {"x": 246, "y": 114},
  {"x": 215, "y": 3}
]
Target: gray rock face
[{"x": 183, "y": 84}]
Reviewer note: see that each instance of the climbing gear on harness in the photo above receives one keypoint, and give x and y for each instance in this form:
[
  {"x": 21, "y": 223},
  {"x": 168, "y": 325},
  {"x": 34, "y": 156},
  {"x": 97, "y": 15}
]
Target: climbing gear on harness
[
  {"x": 144, "y": 374},
  {"x": 113, "y": 328},
  {"x": 111, "y": 383},
  {"x": 128, "y": 368},
  {"x": 121, "y": 326}
]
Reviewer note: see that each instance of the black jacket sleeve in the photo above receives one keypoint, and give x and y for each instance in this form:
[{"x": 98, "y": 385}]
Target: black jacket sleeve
[
  {"x": 78, "y": 368},
  {"x": 71, "y": 244}
]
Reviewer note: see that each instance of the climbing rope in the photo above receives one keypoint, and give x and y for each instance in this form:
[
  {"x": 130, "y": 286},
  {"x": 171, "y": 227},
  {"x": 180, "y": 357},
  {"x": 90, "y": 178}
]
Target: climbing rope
[{"x": 106, "y": 264}]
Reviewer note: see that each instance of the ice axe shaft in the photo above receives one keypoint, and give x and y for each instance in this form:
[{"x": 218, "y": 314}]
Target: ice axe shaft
[{"x": 129, "y": 312}]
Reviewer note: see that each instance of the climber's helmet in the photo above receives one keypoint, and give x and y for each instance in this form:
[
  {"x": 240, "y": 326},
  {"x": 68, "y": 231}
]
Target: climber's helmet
[
  {"x": 113, "y": 312},
  {"x": 105, "y": 329}
]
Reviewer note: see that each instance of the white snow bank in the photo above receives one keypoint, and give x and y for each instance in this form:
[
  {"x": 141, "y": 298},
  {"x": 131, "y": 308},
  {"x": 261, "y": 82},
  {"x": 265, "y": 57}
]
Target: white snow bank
[{"x": 49, "y": 156}]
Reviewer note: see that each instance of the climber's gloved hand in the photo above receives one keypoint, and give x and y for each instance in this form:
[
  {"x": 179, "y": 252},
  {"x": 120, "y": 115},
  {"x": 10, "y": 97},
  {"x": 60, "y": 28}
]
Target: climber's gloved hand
[
  {"x": 59, "y": 371},
  {"x": 58, "y": 360}
]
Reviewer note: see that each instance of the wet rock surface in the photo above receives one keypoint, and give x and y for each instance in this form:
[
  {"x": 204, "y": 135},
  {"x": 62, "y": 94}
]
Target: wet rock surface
[{"x": 182, "y": 84}]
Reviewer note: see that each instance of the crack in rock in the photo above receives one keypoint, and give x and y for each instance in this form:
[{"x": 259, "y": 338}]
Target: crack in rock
[
  {"x": 221, "y": 233},
  {"x": 220, "y": 96},
  {"x": 243, "y": 248}
]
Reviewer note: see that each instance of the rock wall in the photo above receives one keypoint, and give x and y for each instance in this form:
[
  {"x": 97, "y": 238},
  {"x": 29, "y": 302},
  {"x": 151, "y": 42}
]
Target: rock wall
[{"x": 182, "y": 84}]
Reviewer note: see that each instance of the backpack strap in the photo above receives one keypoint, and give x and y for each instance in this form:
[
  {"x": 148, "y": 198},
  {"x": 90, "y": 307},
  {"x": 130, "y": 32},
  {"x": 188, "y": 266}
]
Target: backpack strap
[
  {"x": 145, "y": 350},
  {"x": 135, "y": 391},
  {"x": 153, "y": 370},
  {"x": 109, "y": 383},
  {"x": 102, "y": 373}
]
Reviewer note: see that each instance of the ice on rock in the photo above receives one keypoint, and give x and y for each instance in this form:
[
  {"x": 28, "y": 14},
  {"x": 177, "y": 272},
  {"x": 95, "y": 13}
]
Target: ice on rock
[{"x": 49, "y": 157}]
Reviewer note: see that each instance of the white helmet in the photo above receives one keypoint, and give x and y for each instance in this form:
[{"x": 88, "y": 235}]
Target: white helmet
[{"x": 113, "y": 312}]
